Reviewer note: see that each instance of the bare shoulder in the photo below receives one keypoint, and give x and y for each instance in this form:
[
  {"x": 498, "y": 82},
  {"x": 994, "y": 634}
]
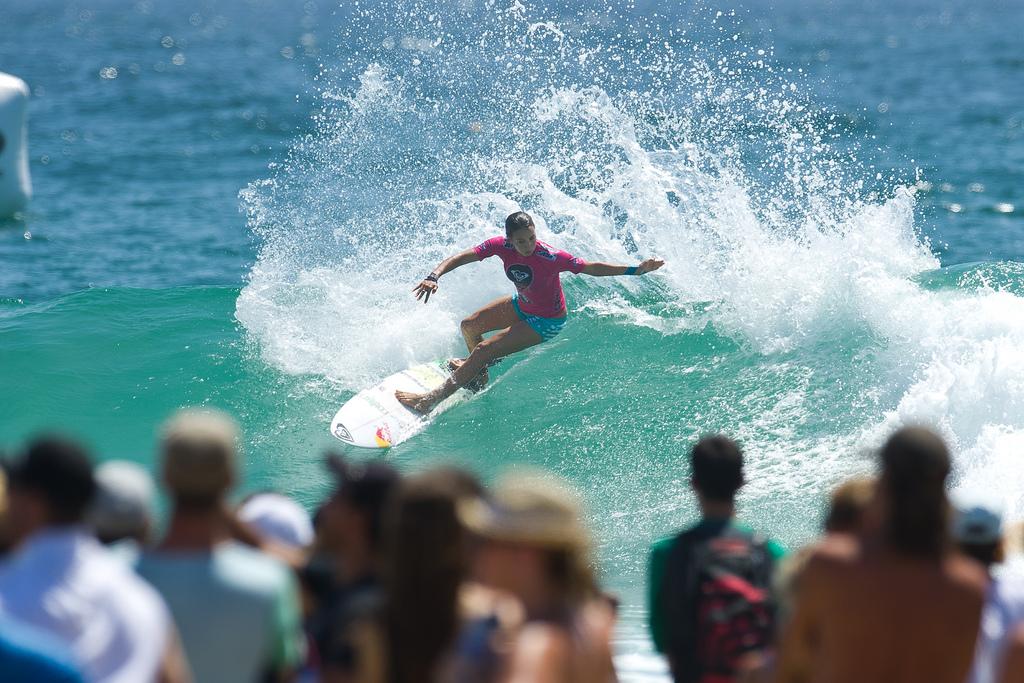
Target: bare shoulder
[
  {"x": 538, "y": 639},
  {"x": 824, "y": 567},
  {"x": 597, "y": 619},
  {"x": 1013, "y": 661},
  {"x": 541, "y": 652},
  {"x": 545, "y": 651},
  {"x": 832, "y": 553}
]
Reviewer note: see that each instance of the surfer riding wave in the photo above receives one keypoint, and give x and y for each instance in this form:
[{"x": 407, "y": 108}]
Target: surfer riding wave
[{"x": 534, "y": 314}]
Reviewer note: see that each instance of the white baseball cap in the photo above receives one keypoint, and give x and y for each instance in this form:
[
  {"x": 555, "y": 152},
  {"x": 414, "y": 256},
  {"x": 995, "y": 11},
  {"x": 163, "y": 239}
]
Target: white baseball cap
[
  {"x": 125, "y": 501},
  {"x": 278, "y": 518}
]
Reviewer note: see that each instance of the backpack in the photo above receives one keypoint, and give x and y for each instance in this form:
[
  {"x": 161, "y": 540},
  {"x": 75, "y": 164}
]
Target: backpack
[{"x": 719, "y": 603}]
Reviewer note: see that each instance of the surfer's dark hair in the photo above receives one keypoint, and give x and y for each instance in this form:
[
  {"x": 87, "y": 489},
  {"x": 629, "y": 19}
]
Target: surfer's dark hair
[
  {"x": 517, "y": 221},
  {"x": 915, "y": 464},
  {"x": 717, "y": 467}
]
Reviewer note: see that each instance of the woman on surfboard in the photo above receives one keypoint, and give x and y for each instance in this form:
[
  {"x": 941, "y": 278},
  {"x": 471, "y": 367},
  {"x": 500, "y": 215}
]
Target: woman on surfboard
[{"x": 534, "y": 314}]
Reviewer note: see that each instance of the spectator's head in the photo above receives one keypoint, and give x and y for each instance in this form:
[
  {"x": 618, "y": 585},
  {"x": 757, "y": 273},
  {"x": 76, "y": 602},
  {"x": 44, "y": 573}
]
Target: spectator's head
[
  {"x": 532, "y": 540},
  {"x": 277, "y": 518},
  {"x": 978, "y": 527},
  {"x": 456, "y": 481},
  {"x": 915, "y": 464},
  {"x": 125, "y": 502},
  {"x": 426, "y": 562},
  {"x": 351, "y": 521},
  {"x": 717, "y": 468},
  {"x": 50, "y": 484},
  {"x": 848, "y": 504},
  {"x": 200, "y": 453},
  {"x": 424, "y": 536}
]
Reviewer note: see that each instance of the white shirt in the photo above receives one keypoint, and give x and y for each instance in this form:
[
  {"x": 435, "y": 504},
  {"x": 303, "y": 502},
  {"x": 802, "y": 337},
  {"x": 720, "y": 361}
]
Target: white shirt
[
  {"x": 1003, "y": 611},
  {"x": 63, "y": 581}
]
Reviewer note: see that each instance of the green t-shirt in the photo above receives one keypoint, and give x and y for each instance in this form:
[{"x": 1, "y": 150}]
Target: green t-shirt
[
  {"x": 656, "y": 609},
  {"x": 237, "y": 610}
]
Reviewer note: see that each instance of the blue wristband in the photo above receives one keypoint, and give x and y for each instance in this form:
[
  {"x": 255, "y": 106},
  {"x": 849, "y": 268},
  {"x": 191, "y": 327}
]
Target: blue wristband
[{"x": 630, "y": 271}]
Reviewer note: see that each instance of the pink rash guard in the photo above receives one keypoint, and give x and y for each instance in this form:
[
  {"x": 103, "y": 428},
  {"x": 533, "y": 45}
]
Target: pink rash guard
[{"x": 535, "y": 276}]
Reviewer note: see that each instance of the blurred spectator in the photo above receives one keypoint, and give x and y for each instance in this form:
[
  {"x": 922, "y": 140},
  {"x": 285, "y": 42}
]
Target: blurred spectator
[
  {"x": 433, "y": 624},
  {"x": 717, "y": 566},
  {"x": 32, "y": 656},
  {"x": 1013, "y": 549},
  {"x": 237, "y": 609},
  {"x": 532, "y": 544},
  {"x": 978, "y": 531},
  {"x": 405, "y": 636},
  {"x": 426, "y": 569},
  {"x": 61, "y": 580},
  {"x": 1013, "y": 664},
  {"x": 899, "y": 607},
  {"x": 6, "y": 539},
  {"x": 344, "y": 574},
  {"x": 277, "y": 518},
  {"x": 848, "y": 506},
  {"x": 847, "y": 514},
  {"x": 125, "y": 504}
]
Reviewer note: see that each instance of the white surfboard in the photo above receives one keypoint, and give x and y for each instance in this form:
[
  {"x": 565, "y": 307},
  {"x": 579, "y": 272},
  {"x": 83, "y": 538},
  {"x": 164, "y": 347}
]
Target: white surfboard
[{"x": 374, "y": 418}]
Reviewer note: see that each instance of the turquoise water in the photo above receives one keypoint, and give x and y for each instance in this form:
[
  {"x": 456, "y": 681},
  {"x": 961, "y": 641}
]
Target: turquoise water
[{"x": 236, "y": 214}]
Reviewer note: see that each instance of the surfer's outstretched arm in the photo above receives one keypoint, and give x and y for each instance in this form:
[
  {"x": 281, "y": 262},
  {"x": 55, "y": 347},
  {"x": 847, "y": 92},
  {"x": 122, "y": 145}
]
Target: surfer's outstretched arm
[
  {"x": 598, "y": 269},
  {"x": 429, "y": 284}
]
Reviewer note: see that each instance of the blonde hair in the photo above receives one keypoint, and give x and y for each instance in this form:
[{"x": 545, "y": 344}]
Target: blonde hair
[{"x": 848, "y": 503}]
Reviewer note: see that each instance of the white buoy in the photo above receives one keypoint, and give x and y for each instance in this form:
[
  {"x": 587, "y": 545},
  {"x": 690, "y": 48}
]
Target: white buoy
[{"x": 15, "y": 185}]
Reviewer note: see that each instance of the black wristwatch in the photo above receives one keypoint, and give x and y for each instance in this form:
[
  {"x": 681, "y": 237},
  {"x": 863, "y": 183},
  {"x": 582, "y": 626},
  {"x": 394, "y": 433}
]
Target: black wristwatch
[{"x": 431, "y": 278}]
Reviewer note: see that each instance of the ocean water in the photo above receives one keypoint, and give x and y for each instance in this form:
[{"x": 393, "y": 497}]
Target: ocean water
[{"x": 233, "y": 201}]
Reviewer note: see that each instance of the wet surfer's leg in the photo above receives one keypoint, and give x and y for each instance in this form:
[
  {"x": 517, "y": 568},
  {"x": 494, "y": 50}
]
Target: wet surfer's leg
[
  {"x": 497, "y": 315},
  {"x": 517, "y": 337}
]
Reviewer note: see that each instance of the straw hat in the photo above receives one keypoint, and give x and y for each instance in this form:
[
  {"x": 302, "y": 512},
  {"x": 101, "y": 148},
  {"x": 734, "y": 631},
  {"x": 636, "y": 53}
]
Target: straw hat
[{"x": 530, "y": 508}]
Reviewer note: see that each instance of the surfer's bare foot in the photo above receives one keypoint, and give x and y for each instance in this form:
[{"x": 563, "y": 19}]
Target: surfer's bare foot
[{"x": 421, "y": 403}]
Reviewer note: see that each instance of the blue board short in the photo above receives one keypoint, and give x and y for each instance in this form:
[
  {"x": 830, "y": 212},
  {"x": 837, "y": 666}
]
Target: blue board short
[{"x": 547, "y": 328}]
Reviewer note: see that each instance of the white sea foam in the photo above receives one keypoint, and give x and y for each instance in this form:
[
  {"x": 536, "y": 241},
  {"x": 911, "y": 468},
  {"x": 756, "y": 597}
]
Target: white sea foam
[{"x": 782, "y": 260}]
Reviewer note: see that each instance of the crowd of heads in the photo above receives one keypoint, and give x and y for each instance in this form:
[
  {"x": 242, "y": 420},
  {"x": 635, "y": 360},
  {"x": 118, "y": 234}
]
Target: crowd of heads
[
  {"x": 432, "y": 576},
  {"x": 903, "y": 584}
]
